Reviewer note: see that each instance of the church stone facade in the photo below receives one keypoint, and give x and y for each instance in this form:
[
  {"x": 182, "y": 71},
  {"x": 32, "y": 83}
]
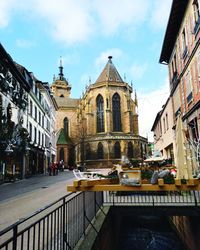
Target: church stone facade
[{"x": 102, "y": 126}]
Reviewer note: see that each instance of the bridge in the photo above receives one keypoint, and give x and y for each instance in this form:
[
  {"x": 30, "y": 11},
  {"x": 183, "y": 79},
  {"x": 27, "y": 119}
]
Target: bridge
[{"x": 63, "y": 223}]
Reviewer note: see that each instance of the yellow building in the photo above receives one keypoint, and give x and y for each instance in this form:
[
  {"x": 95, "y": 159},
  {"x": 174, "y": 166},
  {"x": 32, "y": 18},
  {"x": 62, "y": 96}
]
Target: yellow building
[{"x": 102, "y": 126}]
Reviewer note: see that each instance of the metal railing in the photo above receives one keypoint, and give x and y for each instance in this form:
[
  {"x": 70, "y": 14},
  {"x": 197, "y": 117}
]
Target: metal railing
[
  {"x": 152, "y": 198},
  {"x": 59, "y": 225}
]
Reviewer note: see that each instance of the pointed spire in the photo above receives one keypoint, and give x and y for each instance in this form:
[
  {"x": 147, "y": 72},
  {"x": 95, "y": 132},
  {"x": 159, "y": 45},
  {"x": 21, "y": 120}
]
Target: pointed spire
[
  {"x": 61, "y": 75},
  {"x": 131, "y": 84},
  {"x": 109, "y": 73},
  {"x": 136, "y": 100}
]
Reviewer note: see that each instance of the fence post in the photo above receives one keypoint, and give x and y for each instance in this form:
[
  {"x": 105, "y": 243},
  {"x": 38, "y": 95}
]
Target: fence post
[
  {"x": 15, "y": 237},
  {"x": 195, "y": 198},
  {"x": 64, "y": 218},
  {"x": 84, "y": 213},
  {"x": 95, "y": 202},
  {"x": 113, "y": 198}
]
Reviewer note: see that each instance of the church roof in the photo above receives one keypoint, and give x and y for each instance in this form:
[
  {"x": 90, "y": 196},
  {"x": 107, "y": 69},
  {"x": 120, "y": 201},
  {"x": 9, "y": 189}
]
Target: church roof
[
  {"x": 62, "y": 139},
  {"x": 66, "y": 102},
  {"x": 109, "y": 73}
]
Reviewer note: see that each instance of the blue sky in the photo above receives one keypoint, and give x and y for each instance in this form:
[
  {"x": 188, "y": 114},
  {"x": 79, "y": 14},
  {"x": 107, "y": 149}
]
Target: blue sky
[{"x": 85, "y": 32}]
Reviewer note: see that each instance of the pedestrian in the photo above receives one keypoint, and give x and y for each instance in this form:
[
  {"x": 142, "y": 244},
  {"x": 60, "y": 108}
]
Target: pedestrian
[{"x": 54, "y": 168}]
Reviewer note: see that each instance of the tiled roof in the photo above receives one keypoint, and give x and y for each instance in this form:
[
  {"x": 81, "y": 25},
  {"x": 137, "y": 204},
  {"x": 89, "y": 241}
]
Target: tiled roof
[
  {"x": 66, "y": 102},
  {"x": 62, "y": 139},
  {"x": 177, "y": 13},
  {"x": 109, "y": 73}
]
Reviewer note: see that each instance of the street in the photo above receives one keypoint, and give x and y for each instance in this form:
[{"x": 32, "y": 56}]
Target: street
[{"x": 22, "y": 198}]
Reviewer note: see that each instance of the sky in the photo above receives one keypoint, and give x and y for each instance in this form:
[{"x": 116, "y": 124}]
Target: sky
[{"x": 36, "y": 33}]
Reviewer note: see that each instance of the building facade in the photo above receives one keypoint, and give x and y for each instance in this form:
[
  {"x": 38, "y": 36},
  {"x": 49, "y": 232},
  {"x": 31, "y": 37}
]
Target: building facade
[
  {"x": 41, "y": 127},
  {"x": 181, "y": 52},
  {"x": 14, "y": 137},
  {"x": 164, "y": 134},
  {"x": 102, "y": 126},
  {"x": 27, "y": 121}
]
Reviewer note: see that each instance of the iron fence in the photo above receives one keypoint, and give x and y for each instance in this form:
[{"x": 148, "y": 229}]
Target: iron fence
[
  {"x": 152, "y": 198},
  {"x": 59, "y": 225}
]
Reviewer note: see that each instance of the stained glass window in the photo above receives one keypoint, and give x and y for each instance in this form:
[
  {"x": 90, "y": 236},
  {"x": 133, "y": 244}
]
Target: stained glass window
[
  {"x": 116, "y": 113},
  {"x": 100, "y": 114}
]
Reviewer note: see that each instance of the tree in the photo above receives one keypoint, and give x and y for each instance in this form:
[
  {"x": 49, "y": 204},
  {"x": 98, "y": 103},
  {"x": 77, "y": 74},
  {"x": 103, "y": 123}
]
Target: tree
[{"x": 81, "y": 136}]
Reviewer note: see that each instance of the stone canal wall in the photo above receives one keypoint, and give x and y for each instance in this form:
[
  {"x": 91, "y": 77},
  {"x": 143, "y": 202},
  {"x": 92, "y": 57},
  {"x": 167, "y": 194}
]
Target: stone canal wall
[{"x": 188, "y": 229}]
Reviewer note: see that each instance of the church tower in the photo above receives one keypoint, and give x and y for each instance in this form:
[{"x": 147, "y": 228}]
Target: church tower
[
  {"x": 60, "y": 86},
  {"x": 65, "y": 118}
]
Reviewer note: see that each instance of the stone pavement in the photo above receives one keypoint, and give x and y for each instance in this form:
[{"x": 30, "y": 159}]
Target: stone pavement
[{"x": 20, "y": 199}]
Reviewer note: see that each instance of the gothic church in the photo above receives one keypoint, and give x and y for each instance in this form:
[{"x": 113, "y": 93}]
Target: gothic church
[{"x": 102, "y": 126}]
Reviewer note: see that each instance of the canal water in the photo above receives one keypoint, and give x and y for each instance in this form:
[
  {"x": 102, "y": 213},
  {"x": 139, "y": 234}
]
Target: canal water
[{"x": 148, "y": 232}]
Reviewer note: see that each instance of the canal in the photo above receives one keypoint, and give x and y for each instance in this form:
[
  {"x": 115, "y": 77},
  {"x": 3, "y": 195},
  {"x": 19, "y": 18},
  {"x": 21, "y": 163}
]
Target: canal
[
  {"x": 127, "y": 229},
  {"x": 148, "y": 232}
]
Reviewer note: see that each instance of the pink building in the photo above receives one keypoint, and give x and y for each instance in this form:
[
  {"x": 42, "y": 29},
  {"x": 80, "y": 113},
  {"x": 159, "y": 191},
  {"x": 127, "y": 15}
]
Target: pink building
[{"x": 181, "y": 52}]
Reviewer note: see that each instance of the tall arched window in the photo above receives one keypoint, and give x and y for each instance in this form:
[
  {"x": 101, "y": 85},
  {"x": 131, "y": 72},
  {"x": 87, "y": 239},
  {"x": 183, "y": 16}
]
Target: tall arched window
[
  {"x": 62, "y": 154},
  {"x": 66, "y": 126},
  {"x": 116, "y": 113},
  {"x": 100, "y": 151},
  {"x": 88, "y": 152},
  {"x": 117, "y": 150},
  {"x": 100, "y": 114},
  {"x": 130, "y": 150}
]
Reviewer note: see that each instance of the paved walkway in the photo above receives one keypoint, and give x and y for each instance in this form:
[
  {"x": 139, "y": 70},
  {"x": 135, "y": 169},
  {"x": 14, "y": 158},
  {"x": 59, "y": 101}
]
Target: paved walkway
[{"x": 22, "y": 198}]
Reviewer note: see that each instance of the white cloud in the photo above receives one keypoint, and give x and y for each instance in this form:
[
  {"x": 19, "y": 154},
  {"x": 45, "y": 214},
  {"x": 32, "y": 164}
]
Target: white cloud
[
  {"x": 24, "y": 43},
  {"x": 119, "y": 14},
  {"x": 103, "y": 57},
  {"x": 149, "y": 104},
  {"x": 6, "y": 7},
  {"x": 160, "y": 15},
  {"x": 137, "y": 71},
  {"x": 70, "y": 21},
  {"x": 66, "y": 20}
]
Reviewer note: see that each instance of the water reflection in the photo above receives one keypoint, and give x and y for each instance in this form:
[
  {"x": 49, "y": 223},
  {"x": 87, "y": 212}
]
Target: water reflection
[{"x": 148, "y": 232}]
